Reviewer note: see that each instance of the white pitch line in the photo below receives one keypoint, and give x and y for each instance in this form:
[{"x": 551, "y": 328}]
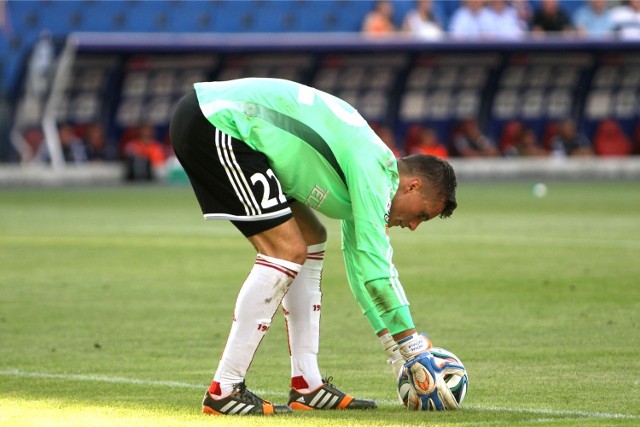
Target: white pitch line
[
  {"x": 557, "y": 412},
  {"x": 98, "y": 378},
  {"x": 177, "y": 384}
]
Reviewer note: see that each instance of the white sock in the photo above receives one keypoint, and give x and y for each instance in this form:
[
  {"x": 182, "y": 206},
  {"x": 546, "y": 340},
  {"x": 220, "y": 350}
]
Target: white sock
[
  {"x": 257, "y": 302},
  {"x": 301, "y": 306}
]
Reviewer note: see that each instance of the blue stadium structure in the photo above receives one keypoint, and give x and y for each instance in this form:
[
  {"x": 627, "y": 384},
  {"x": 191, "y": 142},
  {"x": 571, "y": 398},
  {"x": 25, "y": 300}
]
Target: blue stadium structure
[
  {"x": 26, "y": 19},
  {"x": 133, "y": 59}
]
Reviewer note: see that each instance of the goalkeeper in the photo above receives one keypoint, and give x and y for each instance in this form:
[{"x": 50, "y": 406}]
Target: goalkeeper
[{"x": 265, "y": 153}]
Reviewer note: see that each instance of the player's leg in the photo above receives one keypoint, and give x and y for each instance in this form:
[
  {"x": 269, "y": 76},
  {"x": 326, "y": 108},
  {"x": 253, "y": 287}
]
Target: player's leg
[
  {"x": 302, "y": 308},
  {"x": 276, "y": 266},
  {"x": 220, "y": 168},
  {"x": 302, "y": 304}
]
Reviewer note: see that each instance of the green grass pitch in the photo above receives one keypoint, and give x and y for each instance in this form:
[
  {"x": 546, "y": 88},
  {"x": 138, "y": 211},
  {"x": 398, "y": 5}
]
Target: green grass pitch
[{"x": 115, "y": 304}]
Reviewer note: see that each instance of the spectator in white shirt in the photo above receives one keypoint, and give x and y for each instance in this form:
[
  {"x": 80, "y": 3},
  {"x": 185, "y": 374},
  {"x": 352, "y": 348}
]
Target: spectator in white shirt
[
  {"x": 421, "y": 21},
  {"x": 626, "y": 20}
]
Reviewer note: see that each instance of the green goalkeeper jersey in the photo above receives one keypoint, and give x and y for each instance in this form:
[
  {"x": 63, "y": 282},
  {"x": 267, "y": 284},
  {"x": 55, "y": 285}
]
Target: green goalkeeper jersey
[{"x": 326, "y": 156}]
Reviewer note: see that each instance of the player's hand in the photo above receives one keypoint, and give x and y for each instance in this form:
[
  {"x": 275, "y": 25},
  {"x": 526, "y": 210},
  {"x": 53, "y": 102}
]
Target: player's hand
[
  {"x": 422, "y": 371},
  {"x": 448, "y": 400},
  {"x": 426, "y": 375}
]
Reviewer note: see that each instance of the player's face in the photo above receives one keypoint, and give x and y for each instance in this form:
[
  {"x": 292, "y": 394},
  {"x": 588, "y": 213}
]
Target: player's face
[{"x": 410, "y": 206}]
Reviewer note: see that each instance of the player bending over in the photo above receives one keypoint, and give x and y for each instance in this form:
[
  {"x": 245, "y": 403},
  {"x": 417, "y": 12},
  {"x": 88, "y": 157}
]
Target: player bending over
[{"x": 264, "y": 153}]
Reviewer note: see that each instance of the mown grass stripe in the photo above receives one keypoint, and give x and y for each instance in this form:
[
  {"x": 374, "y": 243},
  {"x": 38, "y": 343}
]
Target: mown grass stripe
[{"x": 178, "y": 384}]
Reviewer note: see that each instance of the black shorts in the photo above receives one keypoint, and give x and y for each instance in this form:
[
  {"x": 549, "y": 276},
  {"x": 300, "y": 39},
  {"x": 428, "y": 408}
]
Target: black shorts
[{"x": 231, "y": 180}]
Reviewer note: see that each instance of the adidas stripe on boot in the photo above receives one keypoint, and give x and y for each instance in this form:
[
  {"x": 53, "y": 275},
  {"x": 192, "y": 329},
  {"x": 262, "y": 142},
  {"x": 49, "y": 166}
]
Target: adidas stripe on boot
[
  {"x": 327, "y": 396},
  {"x": 241, "y": 402}
]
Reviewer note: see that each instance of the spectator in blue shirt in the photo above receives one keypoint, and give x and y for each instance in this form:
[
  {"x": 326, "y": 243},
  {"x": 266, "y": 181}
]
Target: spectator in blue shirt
[
  {"x": 500, "y": 20},
  {"x": 466, "y": 21},
  {"x": 593, "y": 19}
]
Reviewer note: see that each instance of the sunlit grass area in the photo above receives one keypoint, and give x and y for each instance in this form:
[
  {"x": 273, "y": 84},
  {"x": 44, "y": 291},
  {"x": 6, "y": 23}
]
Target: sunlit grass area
[{"x": 115, "y": 304}]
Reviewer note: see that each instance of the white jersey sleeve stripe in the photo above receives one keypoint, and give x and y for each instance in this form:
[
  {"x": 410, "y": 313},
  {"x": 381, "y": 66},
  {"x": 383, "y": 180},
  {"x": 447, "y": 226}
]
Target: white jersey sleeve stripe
[{"x": 395, "y": 282}]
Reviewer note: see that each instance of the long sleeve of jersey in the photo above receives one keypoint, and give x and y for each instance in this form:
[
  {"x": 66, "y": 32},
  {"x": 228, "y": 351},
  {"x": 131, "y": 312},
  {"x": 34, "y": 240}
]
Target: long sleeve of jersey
[
  {"x": 368, "y": 255},
  {"x": 382, "y": 299}
]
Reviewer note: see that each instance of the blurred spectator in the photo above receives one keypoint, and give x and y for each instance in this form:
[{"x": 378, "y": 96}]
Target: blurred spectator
[
  {"x": 569, "y": 142},
  {"x": 466, "y": 19},
  {"x": 379, "y": 21},
  {"x": 40, "y": 64},
  {"x": 412, "y": 137},
  {"x": 549, "y": 132},
  {"x": 469, "y": 141},
  {"x": 146, "y": 146},
  {"x": 610, "y": 140},
  {"x": 510, "y": 138},
  {"x": 386, "y": 135},
  {"x": 528, "y": 146},
  {"x": 626, "y": 20},
  {"x": 98, "y": 148},
  {"x": 429, "y": 144},
  {"x": 28, "y": 143},
  {"x": 5, "y": 27},
  {"x": 593, "y": 19},
  {"x": 524, "y": 11},
  {"x": 422, "y": 23},
  {"x": 635, "y": 140},
  {"x": 517, "y": 140},
  {"x": 550, "y": 19},
  {"x": 143, "y": 154},
  {"x": 73, "y": 149},
  {"x": 500, "y": 20}
]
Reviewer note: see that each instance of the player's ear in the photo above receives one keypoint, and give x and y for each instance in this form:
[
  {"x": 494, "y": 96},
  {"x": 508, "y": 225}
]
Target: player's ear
[{"x": 414, "y": 184}]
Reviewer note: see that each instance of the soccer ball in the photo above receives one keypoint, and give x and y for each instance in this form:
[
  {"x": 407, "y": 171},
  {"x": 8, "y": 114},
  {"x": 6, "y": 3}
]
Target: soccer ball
[{"x": 456, "y": 383}]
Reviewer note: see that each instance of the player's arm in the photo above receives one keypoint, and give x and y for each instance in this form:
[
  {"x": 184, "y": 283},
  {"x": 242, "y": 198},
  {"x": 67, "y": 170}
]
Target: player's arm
[
  {"x": 367, "y": 246},
  {"x": 355, "y": 278}
]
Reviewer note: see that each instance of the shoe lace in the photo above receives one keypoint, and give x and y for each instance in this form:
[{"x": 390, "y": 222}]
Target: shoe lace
[
  {"x": 244, "y": 393},
  {"x": 327, "y": 381}
]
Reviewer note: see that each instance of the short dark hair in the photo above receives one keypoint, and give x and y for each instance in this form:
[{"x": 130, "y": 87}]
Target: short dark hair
[{"x": 439, "y": 174}]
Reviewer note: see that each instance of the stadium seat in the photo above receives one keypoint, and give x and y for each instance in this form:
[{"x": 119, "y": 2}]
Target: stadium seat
[
  {"x": 413, "y": 106},
  {"x": 610, "y": 140},
  {"x": 559, "y": 103},
  {"x": 599, "y": 104}
]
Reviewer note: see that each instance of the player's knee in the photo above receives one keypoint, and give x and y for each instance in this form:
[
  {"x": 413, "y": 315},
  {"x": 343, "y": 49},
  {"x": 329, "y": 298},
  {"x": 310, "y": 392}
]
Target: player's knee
[
  {"x": 292, "y": 251},
  {"x": 320, "y": 234},
  {"x": 298, "y": 252},
  {"x": 296, "y": 255}
]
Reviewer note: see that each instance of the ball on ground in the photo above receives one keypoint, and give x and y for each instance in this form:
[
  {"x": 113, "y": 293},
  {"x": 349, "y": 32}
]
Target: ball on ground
[
  {"x": 456, "y": 383},
  {"x": 540, "y": 190}
]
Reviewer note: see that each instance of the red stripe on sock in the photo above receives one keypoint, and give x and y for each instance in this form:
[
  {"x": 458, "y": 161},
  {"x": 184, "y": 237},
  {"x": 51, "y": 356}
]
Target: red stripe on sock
[
  {"x": 290, "y": 273},
  {"x": 299, "y": 383},
  {"x": 315, "y": 255},
  {"x": 214, "y": 388}
]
